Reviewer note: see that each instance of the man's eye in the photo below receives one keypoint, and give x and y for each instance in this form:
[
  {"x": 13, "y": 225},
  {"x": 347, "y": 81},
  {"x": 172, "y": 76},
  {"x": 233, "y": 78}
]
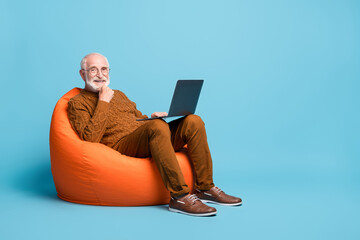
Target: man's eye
[{"x": 92, "y": 70}]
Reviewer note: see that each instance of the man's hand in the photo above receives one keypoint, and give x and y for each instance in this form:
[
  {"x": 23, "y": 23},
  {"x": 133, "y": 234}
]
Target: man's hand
[
  {"x": 106, "y": 94},
  {"x": 159, "y": 114}
]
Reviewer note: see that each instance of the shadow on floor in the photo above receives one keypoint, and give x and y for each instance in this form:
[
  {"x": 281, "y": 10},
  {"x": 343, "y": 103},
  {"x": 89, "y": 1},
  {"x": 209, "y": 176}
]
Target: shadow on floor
[
  {"x": 162, "y": 207},
  {"x": 36, "y": 180}
]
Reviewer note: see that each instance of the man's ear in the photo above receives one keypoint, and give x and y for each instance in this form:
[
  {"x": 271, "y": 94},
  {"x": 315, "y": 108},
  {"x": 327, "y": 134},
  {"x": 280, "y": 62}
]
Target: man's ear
[{"x": 82, "y": 74}]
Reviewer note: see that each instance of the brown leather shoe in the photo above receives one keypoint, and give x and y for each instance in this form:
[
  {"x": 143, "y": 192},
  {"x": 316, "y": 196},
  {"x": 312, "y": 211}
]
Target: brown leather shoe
[
  {"x": 216, "y": 195},
  {"x": 191, "y": 205}
]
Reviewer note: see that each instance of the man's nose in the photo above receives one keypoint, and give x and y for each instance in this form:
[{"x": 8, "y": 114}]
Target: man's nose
[{"x": 99, "y": 74}]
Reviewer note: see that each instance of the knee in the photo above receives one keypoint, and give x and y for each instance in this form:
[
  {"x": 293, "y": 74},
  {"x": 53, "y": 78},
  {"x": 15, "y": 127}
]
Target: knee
[
  {"x": 194, "y": 121},
  {"x": 158, "y": 126}
]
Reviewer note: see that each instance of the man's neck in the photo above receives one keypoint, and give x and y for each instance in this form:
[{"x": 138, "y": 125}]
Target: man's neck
[{"x": 90, "y": 89}]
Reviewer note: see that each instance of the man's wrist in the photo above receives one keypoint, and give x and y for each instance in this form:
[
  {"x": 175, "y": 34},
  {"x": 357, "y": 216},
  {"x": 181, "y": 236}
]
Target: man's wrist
[{"x": 103, "y": 100}]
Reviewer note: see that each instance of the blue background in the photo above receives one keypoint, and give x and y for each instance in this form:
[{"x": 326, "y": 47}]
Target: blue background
[{"x": 280, "y": 103}]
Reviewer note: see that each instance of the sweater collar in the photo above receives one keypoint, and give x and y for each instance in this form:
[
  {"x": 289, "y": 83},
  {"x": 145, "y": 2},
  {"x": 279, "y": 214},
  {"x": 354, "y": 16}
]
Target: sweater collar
[{"x": 88, "y": 93}]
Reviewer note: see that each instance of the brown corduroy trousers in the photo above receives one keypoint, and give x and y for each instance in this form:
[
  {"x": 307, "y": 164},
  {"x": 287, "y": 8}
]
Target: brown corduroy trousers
[{"x": 160, "y": 140}]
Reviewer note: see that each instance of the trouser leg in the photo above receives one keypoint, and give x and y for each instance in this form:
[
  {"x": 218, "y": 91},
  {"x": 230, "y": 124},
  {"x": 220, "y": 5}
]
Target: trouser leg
[
  {"x": 190, "y": 130},
  {"x": 154, "y": 139}
]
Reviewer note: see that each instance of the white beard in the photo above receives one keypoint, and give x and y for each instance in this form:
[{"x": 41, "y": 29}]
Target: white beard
[{"x": 93, "y": 86}]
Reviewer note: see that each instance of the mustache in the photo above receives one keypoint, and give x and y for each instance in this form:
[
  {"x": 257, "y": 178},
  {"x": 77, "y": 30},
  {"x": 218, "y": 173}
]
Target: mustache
[{"x": 102, "y": 79}]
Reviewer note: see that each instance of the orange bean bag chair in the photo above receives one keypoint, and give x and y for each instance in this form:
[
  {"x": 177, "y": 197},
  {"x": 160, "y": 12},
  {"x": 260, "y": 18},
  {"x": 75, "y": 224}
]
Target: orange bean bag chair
[{"x": 92, "y": 173}]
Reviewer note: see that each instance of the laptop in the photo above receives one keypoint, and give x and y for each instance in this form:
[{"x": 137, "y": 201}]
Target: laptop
[{"x": 184, "y": 100}]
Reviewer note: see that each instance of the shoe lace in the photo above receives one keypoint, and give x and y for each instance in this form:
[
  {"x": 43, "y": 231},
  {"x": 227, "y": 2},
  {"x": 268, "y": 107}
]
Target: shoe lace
[
  {"x": 218, "y": 190},
  {"x": 193, "y": 198}
]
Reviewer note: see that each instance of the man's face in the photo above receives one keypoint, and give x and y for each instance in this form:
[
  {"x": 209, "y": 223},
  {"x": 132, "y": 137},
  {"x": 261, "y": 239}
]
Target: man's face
[{"x": 96, "y": 73}]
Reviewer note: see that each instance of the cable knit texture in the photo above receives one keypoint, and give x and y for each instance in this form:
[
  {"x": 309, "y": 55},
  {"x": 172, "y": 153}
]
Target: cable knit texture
[{"x": 103, "y": 122}]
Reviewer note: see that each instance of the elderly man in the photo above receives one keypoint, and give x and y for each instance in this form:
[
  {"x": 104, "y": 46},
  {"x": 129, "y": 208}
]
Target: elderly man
[{"x": 100, "y": 114}]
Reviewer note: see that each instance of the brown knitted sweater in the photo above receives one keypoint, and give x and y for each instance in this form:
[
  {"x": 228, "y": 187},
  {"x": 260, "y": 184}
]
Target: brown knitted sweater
[{"x": 103, "y": 122}]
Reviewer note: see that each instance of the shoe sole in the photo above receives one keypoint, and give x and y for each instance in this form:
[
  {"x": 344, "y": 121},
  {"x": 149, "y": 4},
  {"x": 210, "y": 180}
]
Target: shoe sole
[
  {"x": 224, "y": 204},
  {"x": 193, "y": 214}
]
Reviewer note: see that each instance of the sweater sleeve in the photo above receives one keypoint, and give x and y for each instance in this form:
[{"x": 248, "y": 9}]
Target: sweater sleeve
[
  {"x": 89, "y": 128},
  {"x": 138, "y": 114}
]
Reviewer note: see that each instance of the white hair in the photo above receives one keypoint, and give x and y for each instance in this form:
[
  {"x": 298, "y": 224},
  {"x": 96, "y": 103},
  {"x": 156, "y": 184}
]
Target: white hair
[{"x": 83, "y": 61}]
